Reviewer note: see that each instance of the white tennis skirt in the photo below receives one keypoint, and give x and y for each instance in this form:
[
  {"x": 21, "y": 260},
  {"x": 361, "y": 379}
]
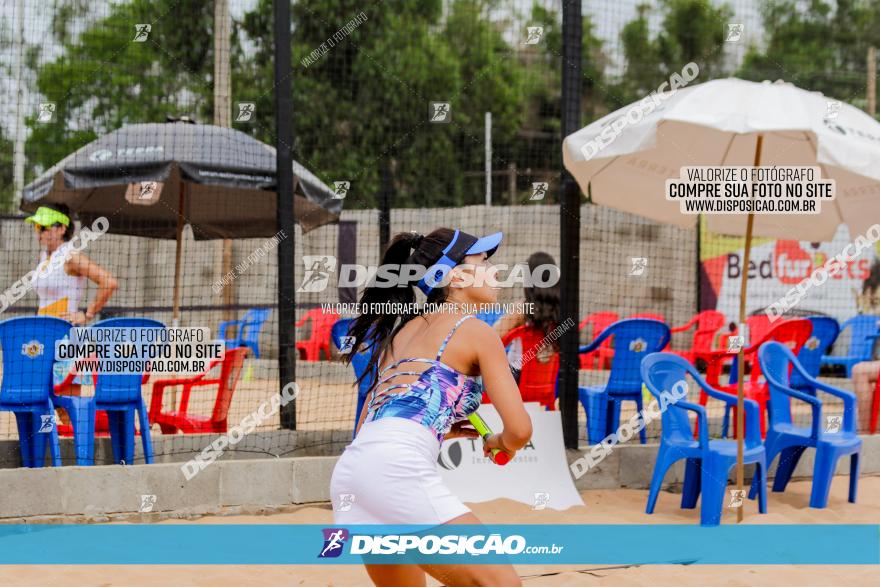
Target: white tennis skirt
[{"x": 388, "y": 475}]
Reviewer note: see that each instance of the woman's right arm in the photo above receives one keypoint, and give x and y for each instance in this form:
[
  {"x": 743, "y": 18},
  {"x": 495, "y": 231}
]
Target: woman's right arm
[{"x": 503, "y": 391}]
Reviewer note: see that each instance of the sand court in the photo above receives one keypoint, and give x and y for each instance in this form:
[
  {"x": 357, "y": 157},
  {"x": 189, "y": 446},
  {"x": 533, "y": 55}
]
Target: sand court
[{"x": 621, "y": 506}]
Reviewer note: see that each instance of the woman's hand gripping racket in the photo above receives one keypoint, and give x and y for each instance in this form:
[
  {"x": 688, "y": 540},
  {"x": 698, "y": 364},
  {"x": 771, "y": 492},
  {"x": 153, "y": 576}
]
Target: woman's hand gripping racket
[{"x": 499, "y": 457}]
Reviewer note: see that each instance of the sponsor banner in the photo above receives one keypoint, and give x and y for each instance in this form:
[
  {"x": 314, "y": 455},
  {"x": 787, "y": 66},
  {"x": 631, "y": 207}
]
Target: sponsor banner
[
  {"x": 537, "y": 476},
  {"x": 776, "y": 266},
  {"x": 619, "y": 544}
]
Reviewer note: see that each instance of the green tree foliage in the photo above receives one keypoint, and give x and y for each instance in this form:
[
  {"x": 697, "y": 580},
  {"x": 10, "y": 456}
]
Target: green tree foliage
[
  {"x": 365, "y": 101},
  {"x": 817, "y": 45},
  {"x": 102, "y": 79},
  {"x": 691, "y": 31}
]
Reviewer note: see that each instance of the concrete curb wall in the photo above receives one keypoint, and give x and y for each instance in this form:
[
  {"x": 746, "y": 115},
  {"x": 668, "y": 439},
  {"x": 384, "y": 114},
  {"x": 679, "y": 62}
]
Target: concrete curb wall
[{"x": 267, "y": 484}]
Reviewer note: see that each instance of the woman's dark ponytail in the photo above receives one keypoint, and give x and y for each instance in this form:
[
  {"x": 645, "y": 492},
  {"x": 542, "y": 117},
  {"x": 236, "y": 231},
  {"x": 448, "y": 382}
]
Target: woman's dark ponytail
[
  {"x": 64, "y": 209},
  {"x": 374, "y": 332},
  {"x": 544, "y": 300}
]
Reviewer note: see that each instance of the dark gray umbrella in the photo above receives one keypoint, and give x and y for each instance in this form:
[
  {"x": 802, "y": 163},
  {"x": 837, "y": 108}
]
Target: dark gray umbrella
[
  {"x": 227, "y": 179},
  {"x": 151, "y": 179}
]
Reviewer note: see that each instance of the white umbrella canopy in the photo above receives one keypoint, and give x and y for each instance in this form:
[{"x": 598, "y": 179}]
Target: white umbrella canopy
[
  {"x": 624, "y": 159},
  {"x": 717, "y": 123}
]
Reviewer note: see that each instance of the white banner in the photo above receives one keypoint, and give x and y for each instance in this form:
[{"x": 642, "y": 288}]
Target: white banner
[
  {"x": 777, "y": 266},
  {"x": 537, "y": 476}
]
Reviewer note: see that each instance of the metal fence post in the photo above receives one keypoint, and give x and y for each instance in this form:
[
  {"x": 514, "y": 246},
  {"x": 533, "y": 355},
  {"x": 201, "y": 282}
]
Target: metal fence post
[
  {"x": 570, "y": 226},
  {"x": 284, "y": 173}
]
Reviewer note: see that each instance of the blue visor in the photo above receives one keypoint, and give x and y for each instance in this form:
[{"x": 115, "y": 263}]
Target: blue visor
[{"x": 461, "y": 245}]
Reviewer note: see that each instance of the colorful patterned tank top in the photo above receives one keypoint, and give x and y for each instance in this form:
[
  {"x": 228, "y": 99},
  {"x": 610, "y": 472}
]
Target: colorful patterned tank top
[{"x": 437, "y": 399}]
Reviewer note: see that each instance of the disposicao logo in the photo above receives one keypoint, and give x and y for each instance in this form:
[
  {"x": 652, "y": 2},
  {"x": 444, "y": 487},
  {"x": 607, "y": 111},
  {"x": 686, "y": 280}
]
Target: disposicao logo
[{"x": 334, "y": 541}]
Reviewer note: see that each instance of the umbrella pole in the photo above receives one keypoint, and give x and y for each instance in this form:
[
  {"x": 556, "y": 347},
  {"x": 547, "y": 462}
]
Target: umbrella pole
[
  {"x": 741, "y": 365},
  {"x": 178, "y": 252}
]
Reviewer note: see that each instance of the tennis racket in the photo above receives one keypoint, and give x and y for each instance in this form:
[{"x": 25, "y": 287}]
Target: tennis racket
[{"x": 499, "y": 457}]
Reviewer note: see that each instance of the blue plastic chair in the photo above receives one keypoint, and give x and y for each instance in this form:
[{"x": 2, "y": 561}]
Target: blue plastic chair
[
  {"x": 789, "y": 441},
  {"x": 860, "y": 343},
  {"x": 634, "y": 339},
  {"x": 119, "y": 396},
  {"x": 247, "y": 330},
  {"x": 708, "y": 461},
  {"x": 825, "y": 332},
  {"x": 490, "y": 317},
  {"x": 28, "y": 345},
  {"x": 359, "y": 361}
]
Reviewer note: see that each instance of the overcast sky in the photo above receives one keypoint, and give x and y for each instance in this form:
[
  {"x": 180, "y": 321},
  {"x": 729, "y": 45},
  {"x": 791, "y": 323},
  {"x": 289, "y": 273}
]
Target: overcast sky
[{"x": 608, "y": 16}]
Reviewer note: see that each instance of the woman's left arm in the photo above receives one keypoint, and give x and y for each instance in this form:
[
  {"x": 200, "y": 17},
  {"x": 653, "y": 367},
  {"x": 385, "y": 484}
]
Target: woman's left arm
[{"x": 80, "y": 265}]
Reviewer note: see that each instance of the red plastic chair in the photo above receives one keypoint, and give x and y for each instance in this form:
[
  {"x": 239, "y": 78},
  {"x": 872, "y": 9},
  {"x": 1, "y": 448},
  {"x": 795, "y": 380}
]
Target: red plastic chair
[
  {"x": 170, "y": 422},
  {"x": 791, "y": 333},
  {"x": 875, "y": 407},
  {"x": 758, "y": 326},
  {"x": 537, "y": 379},
  {"x": 322, "y": 323},
  {"x": 599, "y": 321},
  {"x": 708, "y": 323}
]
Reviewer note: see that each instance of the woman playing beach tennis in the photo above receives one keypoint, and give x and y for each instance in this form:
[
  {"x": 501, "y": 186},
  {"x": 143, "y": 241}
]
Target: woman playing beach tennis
[{"x": 426, "y": 387}]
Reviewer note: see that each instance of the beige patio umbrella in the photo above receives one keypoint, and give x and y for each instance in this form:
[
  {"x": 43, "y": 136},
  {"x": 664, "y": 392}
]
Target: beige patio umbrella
[{"x": 624, "y": 159}]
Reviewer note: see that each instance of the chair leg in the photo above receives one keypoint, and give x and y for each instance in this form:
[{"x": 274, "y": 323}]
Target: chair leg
[
  {"x": 83, "y": 421},
  {"x": 823, "y": 471},
  {"x": 146, "y": 440},
  {"x": 875, "y": 408},
  {"x": 116, "y": 425},
  {"x": 661, "y": 465},
  {"x": 714, "y": 482},
  {"x": 725, "y": 423},
  {"x": 24, "y": 422},
  {"x": 169, "y": 429},
  {"x": 38, "y": 440},
  {"x": 643, "y": 436},
  {"x": 128, "y": 436},
  {"x": 54, "y": 445},
  {"x": 596, "y": 412},
  {"x": 788, "y": 460},
  {"x": 853, "y": 477},
  {"x": 690, "y": 490},
  {"x": 612, "y": 416},
  {"x": 761, "y": 478}
]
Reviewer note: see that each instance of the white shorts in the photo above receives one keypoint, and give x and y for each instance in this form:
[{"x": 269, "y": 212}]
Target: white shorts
[{"x": 388, "y": 475}]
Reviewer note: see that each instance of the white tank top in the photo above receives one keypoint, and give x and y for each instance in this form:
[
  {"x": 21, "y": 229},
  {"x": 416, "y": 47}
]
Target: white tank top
[{"x": 58, "y": 292}]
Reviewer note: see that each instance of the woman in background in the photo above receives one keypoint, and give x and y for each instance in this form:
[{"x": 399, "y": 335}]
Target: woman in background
[
  {"x": 542, "y": 310},
  {"x": 61, "y": 276}
]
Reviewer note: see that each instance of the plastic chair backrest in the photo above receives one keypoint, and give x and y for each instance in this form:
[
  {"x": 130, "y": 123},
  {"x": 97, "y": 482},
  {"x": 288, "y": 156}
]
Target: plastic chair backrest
[
  {"x": 121, "y": 388},
  {"x": 252, "y": 323},
  {"x": 28, "y": 345},
  {"x": 322, "y": 324},
  {"x": 359, "y": 360},
  {"x": 537, "y": 378},
  {"x": 862, "y": 326},
  {"x": 490, "y": 317},
  {"x": 634, "y": 339},
  {"x": 599, "y": 321},
  {"x": 661, "y": 372},
  {"x": 776, "y": 362},
  {"x": 230, "y": 372},
  {"x": 759, "y": 326},
  {"x": 709, "y": 322},
  {"x": 791, "y": 333},
  {"x": 825, "y": 331}
]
